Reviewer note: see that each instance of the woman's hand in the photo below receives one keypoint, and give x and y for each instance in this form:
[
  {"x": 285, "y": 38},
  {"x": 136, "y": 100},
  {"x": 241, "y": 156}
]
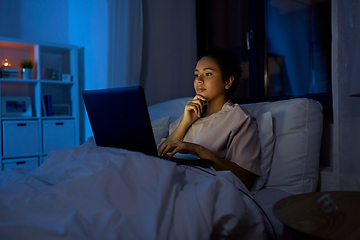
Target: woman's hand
[
  {"x": 177, "y": 147},
  {"x": 194, "y": 109},
  {"x": 192, "y": 112}
]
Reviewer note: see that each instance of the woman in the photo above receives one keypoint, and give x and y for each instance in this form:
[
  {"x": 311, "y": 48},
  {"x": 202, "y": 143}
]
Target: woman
[{"x": 214, "y": 128}]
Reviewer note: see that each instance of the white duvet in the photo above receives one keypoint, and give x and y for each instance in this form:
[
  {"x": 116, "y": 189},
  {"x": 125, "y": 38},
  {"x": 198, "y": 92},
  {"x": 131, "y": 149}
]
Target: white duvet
[{"x": 90, "y": 192}]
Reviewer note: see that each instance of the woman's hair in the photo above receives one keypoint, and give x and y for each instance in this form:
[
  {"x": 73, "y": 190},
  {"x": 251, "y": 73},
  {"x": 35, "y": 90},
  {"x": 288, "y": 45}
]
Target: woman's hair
[{"x": 229, "y": 64}]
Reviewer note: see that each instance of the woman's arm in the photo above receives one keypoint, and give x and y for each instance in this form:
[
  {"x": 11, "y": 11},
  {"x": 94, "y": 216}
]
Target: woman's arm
[
  {"x": 220, "y": 164},
  {"x": 192, "y": 113}
]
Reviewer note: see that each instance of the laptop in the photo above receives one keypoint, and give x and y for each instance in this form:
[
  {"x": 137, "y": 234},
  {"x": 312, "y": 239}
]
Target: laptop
[{"x": 119, "y": 118}]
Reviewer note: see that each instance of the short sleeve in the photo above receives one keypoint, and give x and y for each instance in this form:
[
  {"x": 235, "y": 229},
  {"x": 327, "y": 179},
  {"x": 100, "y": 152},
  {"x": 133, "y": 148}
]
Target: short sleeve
[{"x": 244, "y": 146}]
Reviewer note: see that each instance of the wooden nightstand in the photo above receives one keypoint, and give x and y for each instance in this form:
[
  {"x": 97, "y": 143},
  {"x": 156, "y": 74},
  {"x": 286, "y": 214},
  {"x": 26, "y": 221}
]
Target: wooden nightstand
[{"x": 304, "y": 214}]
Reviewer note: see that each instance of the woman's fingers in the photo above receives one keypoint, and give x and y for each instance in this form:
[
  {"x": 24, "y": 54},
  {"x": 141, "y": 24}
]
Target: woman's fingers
[
  {"x": 161, "y": 149},
  {"x": 173, "y": 152},
  {"x": 178, "y": 147},
  {"x": 172, "y": 148},
  {"x": 196, "y": 105},
  {"x": 199, "y": 97},
  {"x": 165, "y": 148}
]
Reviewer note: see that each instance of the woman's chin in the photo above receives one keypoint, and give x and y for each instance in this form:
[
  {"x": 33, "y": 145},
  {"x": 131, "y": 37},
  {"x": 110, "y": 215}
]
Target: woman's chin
[{"x": 201, "y": 93}]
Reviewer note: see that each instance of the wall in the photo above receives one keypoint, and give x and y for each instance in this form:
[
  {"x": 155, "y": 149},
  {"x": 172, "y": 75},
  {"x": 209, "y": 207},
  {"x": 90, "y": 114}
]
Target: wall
[
  {"x": 169, "y": 55},
  {"x": 10, "y": 18},
  {"x": 169, "y": 49},
  {"x": 346, "y": 51},
  {"x": 82, "y": 23},
  {"x": 88, "y": 29},
  {"x": 41, "y": 20}
]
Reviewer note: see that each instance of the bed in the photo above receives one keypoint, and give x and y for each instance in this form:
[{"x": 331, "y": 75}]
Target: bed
[{"x": 91, "y": 192}]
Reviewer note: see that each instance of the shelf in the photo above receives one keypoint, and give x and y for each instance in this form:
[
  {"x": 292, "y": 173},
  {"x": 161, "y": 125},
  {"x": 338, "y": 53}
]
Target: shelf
[
  {"x": 51, "y": 61},
  {"x": 59, "y": 117},
  {"x": 56, "y": 82},
  {"x": 17, "y": 80},
  {"x": 19, "y": 118}
]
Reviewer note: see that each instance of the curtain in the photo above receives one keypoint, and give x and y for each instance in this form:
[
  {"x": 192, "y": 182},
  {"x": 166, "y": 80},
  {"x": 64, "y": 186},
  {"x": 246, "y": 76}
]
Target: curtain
[{"x": 125, "y": 42}]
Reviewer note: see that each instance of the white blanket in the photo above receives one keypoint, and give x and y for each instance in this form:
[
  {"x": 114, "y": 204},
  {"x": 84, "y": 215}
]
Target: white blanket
[{"x": 90, "y": 192}]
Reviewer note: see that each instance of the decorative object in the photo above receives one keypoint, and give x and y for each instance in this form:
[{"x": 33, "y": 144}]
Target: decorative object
[
  {"x": 66, "y": 78},
  {"x": 6, "y": 71},
  {"x": 16, "y": 107},
  {"x": 53, "y": 74},
  {"x": 6, "y": 63},
  {"x": 27, "y": 71}
]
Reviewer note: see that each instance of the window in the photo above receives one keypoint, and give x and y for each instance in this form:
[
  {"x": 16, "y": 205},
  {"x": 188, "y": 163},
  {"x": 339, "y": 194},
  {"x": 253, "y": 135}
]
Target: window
[{"x": 284, "y": 45}]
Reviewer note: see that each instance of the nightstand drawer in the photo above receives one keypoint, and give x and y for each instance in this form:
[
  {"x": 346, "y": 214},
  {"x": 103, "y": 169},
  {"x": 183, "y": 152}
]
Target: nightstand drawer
[
  {"x": 20, "y": 138},
  {"x": 58, "y": 134},
  {"x": 20, "y": 163}
]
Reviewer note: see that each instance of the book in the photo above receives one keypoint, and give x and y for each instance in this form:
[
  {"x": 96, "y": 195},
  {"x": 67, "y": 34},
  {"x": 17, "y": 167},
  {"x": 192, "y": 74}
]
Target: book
[
  {"x": 48, "y": 105},
  {"x": 9, "y": 73},
  {"x": 7, "y": 69},
  {"x": 8, "y": 76},
  {"x": 43, "y": 106},
  {"x": 6, "y": 72}
]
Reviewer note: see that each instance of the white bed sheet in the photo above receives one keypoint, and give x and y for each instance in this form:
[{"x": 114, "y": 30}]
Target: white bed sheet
[
  {"x": 90, "y": 192},
  {"x": 266, "y": 198}
]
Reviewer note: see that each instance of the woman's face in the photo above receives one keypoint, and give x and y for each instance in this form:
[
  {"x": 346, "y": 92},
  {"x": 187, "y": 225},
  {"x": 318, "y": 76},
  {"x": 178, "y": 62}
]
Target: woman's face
[{"x": 209, "y": 80}]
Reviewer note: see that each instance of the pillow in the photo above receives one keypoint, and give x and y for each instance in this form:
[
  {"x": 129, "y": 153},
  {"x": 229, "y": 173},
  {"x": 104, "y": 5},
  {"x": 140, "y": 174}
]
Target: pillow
[
  {"x": 160, "y": 128},
  {"x": 173, "y": 108},
  {"x": 267, "y": 140},
  {"x": 298, "y": 125}
]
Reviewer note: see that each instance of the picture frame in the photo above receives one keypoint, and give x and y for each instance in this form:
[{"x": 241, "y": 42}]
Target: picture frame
[
  {"x": 16, "y": 107},
  {"x": 67, "y": 78}
]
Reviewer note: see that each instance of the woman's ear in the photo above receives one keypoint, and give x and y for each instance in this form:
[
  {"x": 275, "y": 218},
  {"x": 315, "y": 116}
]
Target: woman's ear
[{"x": 229, "y": 82}]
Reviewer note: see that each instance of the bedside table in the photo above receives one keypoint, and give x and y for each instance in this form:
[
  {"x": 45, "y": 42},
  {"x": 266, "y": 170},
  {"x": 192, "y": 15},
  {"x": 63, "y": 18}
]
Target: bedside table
[{"x": 305, "y": 214}]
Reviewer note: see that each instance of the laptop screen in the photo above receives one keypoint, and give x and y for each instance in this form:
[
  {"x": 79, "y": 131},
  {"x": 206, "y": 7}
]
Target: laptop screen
[{"x": 119, "y": 118}]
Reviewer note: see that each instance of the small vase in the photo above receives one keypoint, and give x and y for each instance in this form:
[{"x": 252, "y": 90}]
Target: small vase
[{"x": 27, "y": 73}]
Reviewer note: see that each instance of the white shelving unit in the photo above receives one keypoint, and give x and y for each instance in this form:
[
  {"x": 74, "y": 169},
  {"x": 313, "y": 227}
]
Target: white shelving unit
[{"x": 26, "y": 139}]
